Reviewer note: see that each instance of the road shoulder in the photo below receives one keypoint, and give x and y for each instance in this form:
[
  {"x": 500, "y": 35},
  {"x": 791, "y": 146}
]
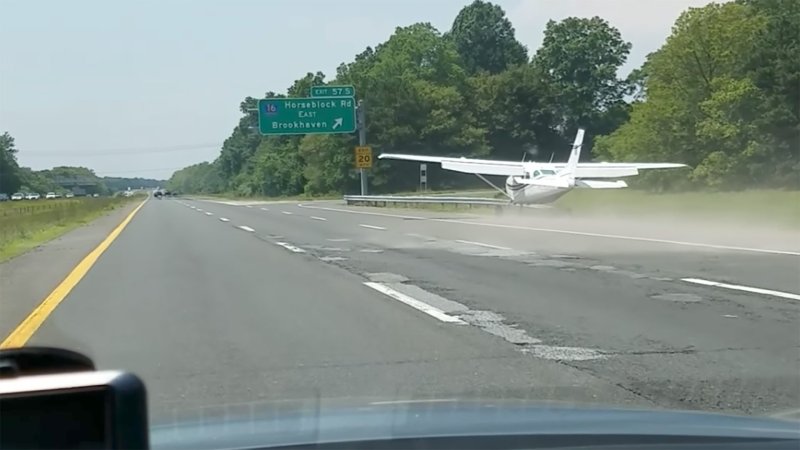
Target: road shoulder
[{"x": 28, "y": 278}]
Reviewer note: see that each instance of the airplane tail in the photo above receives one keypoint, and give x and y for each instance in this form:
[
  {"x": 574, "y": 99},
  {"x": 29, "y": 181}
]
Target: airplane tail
[{"x": 574, "y": 156}]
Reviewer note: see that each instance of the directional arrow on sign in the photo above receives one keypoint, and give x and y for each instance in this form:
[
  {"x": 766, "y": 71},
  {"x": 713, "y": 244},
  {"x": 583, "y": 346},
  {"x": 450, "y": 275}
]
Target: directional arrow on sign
[{"x": 337, "y": 122}]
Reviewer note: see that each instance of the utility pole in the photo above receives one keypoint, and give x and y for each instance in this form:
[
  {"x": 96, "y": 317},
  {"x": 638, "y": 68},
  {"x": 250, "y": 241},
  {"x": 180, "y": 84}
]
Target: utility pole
[{"x": 362, "y": 141}]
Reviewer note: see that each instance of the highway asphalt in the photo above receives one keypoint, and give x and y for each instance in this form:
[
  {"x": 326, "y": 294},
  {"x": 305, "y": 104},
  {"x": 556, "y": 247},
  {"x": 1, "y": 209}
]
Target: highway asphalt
[{"x": 229, "y": 305}]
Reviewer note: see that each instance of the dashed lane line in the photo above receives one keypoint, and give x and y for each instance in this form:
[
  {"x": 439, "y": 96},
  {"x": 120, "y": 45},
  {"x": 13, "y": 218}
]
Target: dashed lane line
[
  {"x": 737, "y": 287},
  {"x": 481, "y": 244},
  {"x": 414, "y": 303},
  {"x": 290, "y": 247},
  {"x": 372, "y": 227}
]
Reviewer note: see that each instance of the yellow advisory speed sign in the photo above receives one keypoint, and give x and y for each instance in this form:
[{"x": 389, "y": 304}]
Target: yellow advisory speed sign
[{"x": 363, "y": 157}]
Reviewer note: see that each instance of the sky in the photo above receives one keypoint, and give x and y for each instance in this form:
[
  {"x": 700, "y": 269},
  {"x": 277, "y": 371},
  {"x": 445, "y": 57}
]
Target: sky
[{"x": 146, "y": 87}]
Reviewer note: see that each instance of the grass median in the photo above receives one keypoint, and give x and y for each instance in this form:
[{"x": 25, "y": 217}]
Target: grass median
[
  {"x": 27, "y": 224},
  {"x": 756, "y": 207},
  {"x": 774, "y": 207}
]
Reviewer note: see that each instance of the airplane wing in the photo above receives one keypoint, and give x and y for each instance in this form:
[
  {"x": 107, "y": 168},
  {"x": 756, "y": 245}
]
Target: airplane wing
[
  {"x": 466, "y": 165},
  {"x": 609, "y": 170},
  {"x": 513, "y": 168}
]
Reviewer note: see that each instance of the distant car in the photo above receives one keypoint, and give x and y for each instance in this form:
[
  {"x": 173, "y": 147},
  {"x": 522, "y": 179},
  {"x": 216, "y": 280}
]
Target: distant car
[
  {"x": 3, "y": 197},
  {"x": 33, "y": 196},
  {"x": 17, "y": 196},
  {"x": 95, "y": 195},
  {"x": 69, "y": 195},
  {"x": 50, "y": 195}
]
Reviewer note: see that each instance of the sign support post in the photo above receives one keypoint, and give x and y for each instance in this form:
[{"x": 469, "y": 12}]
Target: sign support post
[{"x": 362, "y": 141}]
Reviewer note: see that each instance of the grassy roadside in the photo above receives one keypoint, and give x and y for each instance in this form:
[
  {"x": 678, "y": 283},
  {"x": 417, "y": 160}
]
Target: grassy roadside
[
  {"x": 28, "y": 224},
  {"x": 757, "y": 207},
  {"x": 256, "y": 198},
  {"x": 259, "y": 198}
]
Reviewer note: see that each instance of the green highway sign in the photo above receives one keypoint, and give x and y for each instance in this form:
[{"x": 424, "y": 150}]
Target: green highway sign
[
  {"x": 333, "y": 91},
  {"x": 323, "y": 115}
]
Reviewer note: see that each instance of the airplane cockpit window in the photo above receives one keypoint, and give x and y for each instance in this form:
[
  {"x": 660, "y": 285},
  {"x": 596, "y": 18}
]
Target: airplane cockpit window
[
  {"x": 536, "y": 174},
  {"x": 548, "y": 172}
]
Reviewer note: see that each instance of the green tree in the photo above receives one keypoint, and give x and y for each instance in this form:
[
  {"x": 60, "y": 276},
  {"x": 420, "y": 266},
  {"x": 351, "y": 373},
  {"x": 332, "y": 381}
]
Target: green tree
[
  {"x": 484, "y": 38},
  {"x": 580, "y": 58},
  {"x": 774, "y": 66},
  {"x": 302, "y": 86},
  {"x": 329, "y": 164},
  {"x": 275, "y": 169},
  {"x": 9, "y": 170},
  {"x": 415, "y": 93},
  {"x": 518, "y": 108},
  {"x": 202, "y": 178},
  {"x": 702, "y": 107},
  {"x": 33, "y": 181}
]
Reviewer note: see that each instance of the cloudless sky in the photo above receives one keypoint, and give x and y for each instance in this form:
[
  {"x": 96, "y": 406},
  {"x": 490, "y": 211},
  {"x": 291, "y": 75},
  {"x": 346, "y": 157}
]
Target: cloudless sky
[{"x": 145, "y": 87}]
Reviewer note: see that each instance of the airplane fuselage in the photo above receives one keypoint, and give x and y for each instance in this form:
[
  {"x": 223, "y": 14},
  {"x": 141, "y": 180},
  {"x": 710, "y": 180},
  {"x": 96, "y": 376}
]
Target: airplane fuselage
[{"x": 527, "y": 191}]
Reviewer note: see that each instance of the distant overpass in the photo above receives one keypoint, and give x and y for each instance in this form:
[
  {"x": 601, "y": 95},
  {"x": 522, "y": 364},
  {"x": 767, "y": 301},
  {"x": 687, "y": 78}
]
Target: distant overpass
[{"x": 76, "y": 182}]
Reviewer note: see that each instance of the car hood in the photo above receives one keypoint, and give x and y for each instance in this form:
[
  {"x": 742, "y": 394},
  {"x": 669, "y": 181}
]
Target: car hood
[{"x": 394, "y": 420}]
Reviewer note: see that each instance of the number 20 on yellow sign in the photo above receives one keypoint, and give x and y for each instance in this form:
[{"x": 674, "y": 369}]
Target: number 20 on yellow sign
[{"x": 363, "y": 157}]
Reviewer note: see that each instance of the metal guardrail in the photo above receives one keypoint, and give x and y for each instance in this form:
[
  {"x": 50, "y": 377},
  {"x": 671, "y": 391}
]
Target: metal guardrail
[{"x": 385, "y": 200}]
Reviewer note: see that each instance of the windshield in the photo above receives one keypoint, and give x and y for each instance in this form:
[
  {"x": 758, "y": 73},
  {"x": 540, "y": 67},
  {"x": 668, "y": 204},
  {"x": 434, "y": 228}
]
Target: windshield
[{"x": 248, "y": 203}]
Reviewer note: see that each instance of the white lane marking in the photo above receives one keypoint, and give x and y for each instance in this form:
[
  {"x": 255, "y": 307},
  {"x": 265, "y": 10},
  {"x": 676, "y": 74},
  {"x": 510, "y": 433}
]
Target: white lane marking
[
  {"x": 290, "y": 247},
  {"x": 789, "y": 414},
  {"x": 224, "y": 219},
  {"x": 248, "y": 206},
  {"x": 245, "y": 228},
  {"x": 199, "y": 210},
  {"x": 414, "y": 303},
  {"x": 421, "y": 236},
  {"x": 574, "y": 233},
  {"x": 497, "y": 247},
  {"x": 743, "y": 288},
  {"x": 371, "y": 226},
  {"x": 287, "y": 213},
  {"x": 264, "y": 209},
  {"x": 410, "y": 402},
  {"x": 332, "y": 258},
  {"x": 209, "y": 214},
  {"x": 319, "y": 218}
]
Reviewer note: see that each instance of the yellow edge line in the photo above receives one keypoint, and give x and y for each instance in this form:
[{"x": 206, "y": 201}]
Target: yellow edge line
[{"x": 36, "y": 318}]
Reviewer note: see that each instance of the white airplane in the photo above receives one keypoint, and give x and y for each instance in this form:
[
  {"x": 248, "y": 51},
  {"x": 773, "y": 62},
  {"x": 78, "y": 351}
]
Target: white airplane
[{"x": 540, "y": 182}]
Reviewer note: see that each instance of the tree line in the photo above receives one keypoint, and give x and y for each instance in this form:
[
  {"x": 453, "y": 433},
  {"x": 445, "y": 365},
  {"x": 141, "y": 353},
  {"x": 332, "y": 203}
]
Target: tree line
[
  {"x": 721, "y": 95},
  {"x": 14, "y": 178}
]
